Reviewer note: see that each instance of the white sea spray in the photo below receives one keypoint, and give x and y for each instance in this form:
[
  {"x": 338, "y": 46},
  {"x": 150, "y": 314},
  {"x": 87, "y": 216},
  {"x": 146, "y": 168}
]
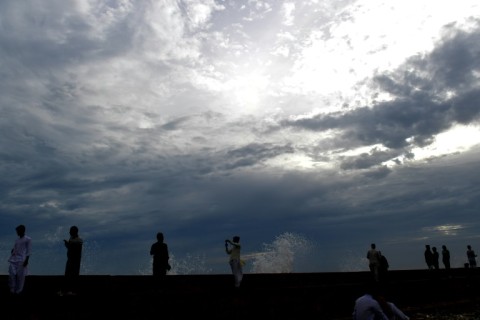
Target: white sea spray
[{"x": 279, "y": 256}]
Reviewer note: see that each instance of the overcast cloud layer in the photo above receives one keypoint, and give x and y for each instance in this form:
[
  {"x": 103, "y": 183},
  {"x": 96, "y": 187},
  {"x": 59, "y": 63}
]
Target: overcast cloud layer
[{"x": 325, "y": 124}]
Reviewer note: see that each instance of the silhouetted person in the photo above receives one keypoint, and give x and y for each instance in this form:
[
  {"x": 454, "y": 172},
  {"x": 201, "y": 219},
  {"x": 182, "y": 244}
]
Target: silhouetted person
[
  {"x": 435, "y": 257},
  {"x": 159, "y": 251},
  {"x": 428, "y": 256},
  {"x": 471, "y": 256},
  {"x": 374, "y": 261},
  {"x": 383, "y": 267},
  {"x": 446, "y": 257},
  {"x": 20, "y": 255},
  {"x": 234, "y": 260},
  {"x": 74, "y": 247}
]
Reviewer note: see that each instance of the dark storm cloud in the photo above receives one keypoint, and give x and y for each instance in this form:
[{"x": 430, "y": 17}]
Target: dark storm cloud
[
  {"x": 253, "y": 154},
  {"x": 367, "y": 160},
  {"x": 430, "y": 94}
]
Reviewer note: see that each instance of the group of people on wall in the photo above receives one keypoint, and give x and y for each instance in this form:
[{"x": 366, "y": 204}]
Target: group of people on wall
[
  {"x": 378, "y": 263},
  {"x": 159, "y": 251},
  {"x": 373, "y": 305},
  {"x": 22, "y": 250},
  {"x": 370, "y": 305},
  {"x": 432, "y": 257},
  {"x": 20, "y": 257}
]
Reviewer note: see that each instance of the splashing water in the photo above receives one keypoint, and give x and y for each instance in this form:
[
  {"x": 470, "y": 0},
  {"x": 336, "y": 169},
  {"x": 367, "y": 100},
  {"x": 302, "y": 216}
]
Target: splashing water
[
  {"x": 279, "y": 256},
  {"x": 189, "y": 265}
]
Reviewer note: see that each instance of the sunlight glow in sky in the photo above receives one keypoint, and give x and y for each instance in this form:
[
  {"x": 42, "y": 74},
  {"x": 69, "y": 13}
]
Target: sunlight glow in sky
[{"x": 458, "y": 139}]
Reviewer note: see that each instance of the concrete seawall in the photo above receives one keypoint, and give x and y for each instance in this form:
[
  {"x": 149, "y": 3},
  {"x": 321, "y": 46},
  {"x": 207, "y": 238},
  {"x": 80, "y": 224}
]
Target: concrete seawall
[{"x": 262, "y": 296}]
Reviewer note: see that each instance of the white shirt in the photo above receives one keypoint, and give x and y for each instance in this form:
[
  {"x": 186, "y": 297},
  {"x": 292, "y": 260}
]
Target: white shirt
[
  {"x": 373, "y": 256},
  {"x": 21, "y": 250},
  {"x": 367, "y": 308}
]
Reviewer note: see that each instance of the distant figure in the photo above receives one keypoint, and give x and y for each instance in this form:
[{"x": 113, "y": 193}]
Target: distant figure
[
  {"x": 159, "y": 251},
  {"x": 74, "y": 256},
  {"x": 471, "y": 257},
  {"x": 435, "y": 257},
  {"x": 374, "y": 261},
  {"x": 18, "y": 260},
  {"x": 234, "y": 260},
  {"x": 446, "y": 257},
  {"x": 428, "y": 257},
  {"x": 383, "y": 267}
]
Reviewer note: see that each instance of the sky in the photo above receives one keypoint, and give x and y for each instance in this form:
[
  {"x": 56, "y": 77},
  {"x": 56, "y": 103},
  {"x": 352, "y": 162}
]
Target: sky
[{"x": 308, "y": 128}]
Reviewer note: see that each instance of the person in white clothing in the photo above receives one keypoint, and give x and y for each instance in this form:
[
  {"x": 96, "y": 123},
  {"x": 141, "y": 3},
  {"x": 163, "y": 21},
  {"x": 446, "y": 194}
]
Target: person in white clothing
[
  {"x": 368, "y": 308},
  {"x": 373, "y": 257},
  {"x": 235, "y": 261},
  {"x": 18, "y": 260},
  {"x": 373, "y": 306}
]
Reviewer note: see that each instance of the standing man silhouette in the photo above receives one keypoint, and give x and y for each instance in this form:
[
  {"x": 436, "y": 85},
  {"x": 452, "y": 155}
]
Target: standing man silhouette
[
  {"x": 428, "y": 254},
  {"x": 374, "y": 261},
  {"x": 383, "y": 267},
  {"x": 159, "y": 251},
  {"x": 446, "y": 257},
  {"x": 472, "y": 261},
  {"x": 235, "y": 261},
  {"x": 20, "y": 256},
  {"x": 74, "y": 247}
]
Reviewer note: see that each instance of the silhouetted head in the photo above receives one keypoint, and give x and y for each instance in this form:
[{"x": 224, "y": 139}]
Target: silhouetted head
[
  {"x": 444, "y": 247},
  {"x": 160, "y": 237},
  {"x": 20, "y": 230},
  {"x": 236, "y": 239},
  {"x": 434, "y": 249},
  {"x": 74, "y": 231},
  {"x": 469, "y": 247},
  {"x": 427, "y": 246},
  {"x": 373, "y": 246}
]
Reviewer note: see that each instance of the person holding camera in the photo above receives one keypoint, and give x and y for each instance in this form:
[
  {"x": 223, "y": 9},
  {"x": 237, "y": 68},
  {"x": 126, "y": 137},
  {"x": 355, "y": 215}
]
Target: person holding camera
[{"x": 233, "y": 248}]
